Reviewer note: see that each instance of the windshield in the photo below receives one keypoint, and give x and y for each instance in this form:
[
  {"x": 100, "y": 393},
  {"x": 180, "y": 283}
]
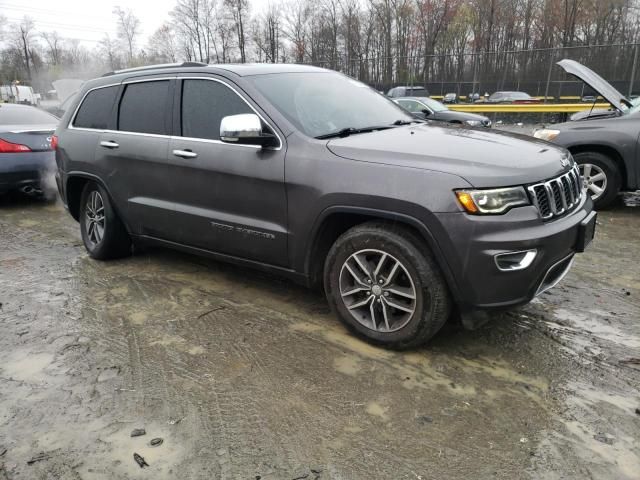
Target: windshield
[
  {"x": 19, "y": 115},
  {"x": 322, "y": 103},
  {"x": 635, "y": 105},
  {"x": 433, "y": 104}
]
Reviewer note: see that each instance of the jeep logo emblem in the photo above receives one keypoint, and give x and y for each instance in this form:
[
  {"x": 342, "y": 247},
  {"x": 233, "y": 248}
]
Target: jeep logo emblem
[{"x": 564, "y": 162}]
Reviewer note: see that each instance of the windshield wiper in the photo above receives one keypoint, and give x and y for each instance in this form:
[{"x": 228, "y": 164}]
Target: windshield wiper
[{"x": 345, "y": 132}]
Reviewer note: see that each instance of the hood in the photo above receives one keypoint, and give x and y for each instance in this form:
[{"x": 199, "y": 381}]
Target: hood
[
  {"x": 597, "y": 83},
  {"x": 65, "y": 87},
  {"x": 484, "y": 158}
]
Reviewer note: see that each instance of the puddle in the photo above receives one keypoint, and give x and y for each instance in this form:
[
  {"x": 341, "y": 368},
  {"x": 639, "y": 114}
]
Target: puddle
[
  {"x": 27, "y": 367},
  {"x": 377, "y": 410}
]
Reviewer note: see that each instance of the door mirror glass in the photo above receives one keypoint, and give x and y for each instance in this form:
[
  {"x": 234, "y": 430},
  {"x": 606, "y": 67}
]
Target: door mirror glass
[
  {"x": 426, "y": 112},
  {"x": 245, "y": 129}
]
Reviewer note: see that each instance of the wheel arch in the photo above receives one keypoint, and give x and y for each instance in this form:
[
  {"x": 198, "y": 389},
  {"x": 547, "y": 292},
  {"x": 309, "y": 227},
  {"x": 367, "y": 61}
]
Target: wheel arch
[
  {"x": 75, "y": 183},
  {"x": 608, "y": 151},
  {"x": 334, "y": 221}
]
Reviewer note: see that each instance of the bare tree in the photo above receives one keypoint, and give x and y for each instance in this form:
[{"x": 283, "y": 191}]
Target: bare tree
[
  {"x": 109, "y": 50},
  {"x": 240, "y": 12},
  {"x": 162, "y": 45},
  {"x": 128, "y": 30},
  {"x": 54, "y": 44}
]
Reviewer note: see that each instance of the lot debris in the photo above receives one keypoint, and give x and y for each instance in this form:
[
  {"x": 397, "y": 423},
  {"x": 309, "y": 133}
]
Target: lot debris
[
  {"x": 40, "y": 457},
  {"x": 2, "y": 451},
  {"x": 140, "y": 460},
  {"x": 425, "y": 419},
  {"x": 630, "y": 361},
  {"x": 637, "y": 411},
  {"x": 138, "y": 432},
  {"x": 175, "y": 421},
  {"x": 604, "y": 438},
  {"x": 156, "y": 442}
]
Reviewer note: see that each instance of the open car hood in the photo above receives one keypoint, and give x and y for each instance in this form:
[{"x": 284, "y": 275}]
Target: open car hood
[{"x": 596, "y": 82}]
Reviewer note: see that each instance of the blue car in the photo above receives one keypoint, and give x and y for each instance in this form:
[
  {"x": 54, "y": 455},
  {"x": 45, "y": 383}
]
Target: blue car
[{"x": 27, "y": 148}]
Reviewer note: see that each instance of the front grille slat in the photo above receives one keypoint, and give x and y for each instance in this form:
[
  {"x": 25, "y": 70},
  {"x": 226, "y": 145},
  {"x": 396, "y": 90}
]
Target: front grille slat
[{"x": 557, "y": 196}]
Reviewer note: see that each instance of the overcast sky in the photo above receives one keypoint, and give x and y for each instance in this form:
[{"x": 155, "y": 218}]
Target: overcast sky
[{"x": 89, "y": 20}]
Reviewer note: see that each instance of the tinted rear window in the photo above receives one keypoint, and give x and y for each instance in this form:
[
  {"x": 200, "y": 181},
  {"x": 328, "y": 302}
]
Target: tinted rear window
[
  {"x": 204, "y": 104},
  {"x": 417, "y": 92},
  {"x": 13, "y": 115},
  {"x": 95, "y": 110},
  {"x": 143, "y": 107}
]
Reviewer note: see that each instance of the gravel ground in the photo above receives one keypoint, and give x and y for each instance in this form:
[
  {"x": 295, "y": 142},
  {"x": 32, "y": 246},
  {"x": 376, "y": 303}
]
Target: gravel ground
[{"x": 247, "y": 376}]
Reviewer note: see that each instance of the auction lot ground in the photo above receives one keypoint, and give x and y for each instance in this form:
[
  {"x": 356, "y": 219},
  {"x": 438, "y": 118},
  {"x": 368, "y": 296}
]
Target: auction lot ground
[{"x": 246, "y": 376}]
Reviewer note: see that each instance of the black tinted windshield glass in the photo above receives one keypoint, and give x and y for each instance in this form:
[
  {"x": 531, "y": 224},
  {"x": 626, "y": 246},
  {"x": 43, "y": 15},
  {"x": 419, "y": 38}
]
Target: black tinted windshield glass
[
  {"x": 323, "y": 103},
  {"x": 11, "y": 115}
]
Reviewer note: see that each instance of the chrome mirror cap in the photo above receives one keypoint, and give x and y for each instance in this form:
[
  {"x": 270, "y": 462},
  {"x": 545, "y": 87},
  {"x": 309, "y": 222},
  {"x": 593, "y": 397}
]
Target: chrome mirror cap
[{"x": 235, "y": 128}]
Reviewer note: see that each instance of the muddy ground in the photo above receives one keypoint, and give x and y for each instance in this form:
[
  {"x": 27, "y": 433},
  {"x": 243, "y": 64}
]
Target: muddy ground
[{"x": 247, "y": 376}]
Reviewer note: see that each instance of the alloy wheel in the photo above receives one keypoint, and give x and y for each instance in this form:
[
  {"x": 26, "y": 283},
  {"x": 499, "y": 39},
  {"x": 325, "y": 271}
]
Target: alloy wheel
[
  {"x": 594, "y": 180},
  {"x": 377, "y": 290},
  {"x": 95, "y": 222}
]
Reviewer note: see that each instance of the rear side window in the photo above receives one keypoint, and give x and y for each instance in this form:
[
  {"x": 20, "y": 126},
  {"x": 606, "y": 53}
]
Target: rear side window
[
  {"x": 143, "y": 108},
  {"x": 204, "y": 104},
  {"x": 96, "y": 108}
]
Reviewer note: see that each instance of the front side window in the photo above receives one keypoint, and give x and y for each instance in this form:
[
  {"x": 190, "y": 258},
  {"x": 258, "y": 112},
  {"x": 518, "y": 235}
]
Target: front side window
[
  {"x": 95, "y": 110},
  {"x": 411, "y": 105},
  {"x": 325, "y": 102},
  {"x": 204, "y": 104},
  {"x": 143, "y": 108}
]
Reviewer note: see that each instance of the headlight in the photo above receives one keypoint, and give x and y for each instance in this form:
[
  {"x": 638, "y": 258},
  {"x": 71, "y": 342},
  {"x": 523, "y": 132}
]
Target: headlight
[
  {"x": 492, "y": 202},
  {"x": 546, "y": 134},
  {"x": 474, "y": 123}
]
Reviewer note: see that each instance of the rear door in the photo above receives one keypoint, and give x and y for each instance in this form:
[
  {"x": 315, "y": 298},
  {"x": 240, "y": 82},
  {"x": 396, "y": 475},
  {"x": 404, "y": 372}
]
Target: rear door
[
  {"x": 133, "y": 156},
  {"x": 230, "y": 198}
]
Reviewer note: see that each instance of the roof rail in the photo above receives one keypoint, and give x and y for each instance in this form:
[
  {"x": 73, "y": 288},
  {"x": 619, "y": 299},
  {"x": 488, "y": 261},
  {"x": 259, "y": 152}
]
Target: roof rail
[{"x": 153, "y": 67}]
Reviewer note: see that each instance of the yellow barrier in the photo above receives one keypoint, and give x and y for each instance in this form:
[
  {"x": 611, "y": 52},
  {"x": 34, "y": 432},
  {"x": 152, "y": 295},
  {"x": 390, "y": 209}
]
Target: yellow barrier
[
  {"x": 528, "y": 108},
  {"x": 539, "y": 97}
]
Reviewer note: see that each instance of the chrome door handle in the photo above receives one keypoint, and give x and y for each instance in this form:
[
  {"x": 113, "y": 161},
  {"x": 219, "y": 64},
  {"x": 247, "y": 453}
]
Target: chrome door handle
[
  {"x": 109, "y": 144},
  {"x": 185, "y": 153}
]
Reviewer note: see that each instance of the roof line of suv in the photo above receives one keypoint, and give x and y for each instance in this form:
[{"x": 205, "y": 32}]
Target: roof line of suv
[{"x": 154, "y": 67}]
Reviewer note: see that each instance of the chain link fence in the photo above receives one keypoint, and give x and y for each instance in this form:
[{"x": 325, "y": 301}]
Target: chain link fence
[{"x": 533, "y": 71}]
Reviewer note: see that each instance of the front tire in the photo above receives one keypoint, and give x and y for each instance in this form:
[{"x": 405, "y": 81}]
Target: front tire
[
  {"x": 384, "y": 288},
  {"x": 103, "y": 234},
  {"x": 601, "y": 177}
]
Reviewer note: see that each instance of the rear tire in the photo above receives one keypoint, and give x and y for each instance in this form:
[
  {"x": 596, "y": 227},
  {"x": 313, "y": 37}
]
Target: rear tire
[
  {"x": 599, "y": 172},
  {"x": 103, "y": 233},
  {"x": 383, "y": 286}
]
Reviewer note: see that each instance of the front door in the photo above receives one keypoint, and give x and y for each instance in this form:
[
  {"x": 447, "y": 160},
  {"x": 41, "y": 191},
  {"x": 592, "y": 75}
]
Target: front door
[{"x": 229, "y": 198}]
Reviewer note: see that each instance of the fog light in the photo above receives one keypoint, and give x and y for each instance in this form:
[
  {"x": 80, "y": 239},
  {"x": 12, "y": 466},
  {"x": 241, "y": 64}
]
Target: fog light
[{"x": 513, "y": 261}]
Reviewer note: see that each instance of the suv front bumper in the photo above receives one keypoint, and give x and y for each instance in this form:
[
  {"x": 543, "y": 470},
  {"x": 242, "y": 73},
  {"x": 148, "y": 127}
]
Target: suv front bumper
[{"x": 475, "y": 241}]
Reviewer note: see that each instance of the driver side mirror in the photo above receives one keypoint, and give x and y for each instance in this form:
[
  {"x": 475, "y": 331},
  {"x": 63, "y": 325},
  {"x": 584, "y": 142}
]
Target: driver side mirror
[
  {"x": 245, "y": 129},
  {"x": 426, "y": 112}
]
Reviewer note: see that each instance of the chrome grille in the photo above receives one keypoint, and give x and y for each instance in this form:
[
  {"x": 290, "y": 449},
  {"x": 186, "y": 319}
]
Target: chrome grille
[{"x": 557, "y": 196}]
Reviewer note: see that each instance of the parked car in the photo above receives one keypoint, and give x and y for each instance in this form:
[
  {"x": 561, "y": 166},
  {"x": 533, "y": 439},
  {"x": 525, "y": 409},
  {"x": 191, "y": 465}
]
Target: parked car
[
  {"x": 309, "y": 173},
  {"x": 26, "y": 148},
  {"x": 426, "y": 108},
  {"x": 473, "y": 97},
  {"x": 512, "y": 97},
  {"x": 59, "y": 109},
  {"x": 450, "y": 98},
  {"x": 19, "y": 94},
  {"x": 408, "y": 92},
  {"x": 606, "y": 149}
]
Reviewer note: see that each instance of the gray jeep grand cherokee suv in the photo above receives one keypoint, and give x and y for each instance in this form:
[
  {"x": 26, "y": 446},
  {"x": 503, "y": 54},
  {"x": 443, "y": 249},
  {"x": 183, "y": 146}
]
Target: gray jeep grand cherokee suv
[{"x": 306, "y": 172}]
